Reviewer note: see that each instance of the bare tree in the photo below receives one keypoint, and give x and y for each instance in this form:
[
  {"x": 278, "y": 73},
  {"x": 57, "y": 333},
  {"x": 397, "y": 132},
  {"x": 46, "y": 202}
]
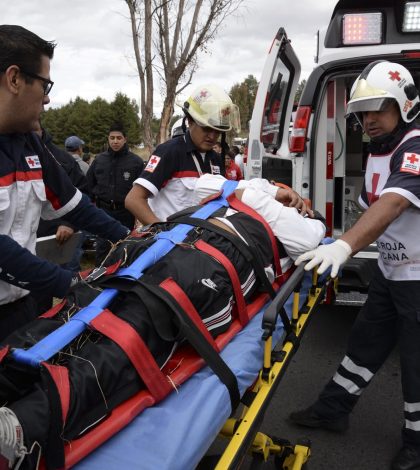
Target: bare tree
[{"x": 167, "y": 37}]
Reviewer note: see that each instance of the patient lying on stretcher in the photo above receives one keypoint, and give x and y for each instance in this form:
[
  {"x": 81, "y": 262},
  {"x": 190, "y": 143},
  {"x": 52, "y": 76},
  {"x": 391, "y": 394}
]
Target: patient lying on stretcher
[{"x": 101, "y": 375}]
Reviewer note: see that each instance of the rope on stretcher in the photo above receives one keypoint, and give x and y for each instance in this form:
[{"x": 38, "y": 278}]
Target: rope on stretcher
[{"x": 165, "y": 242}]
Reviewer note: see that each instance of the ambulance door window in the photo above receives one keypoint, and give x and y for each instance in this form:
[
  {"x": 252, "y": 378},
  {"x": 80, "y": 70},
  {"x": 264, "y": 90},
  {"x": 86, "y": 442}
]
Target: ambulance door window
[{"x": 276, "y": 99}]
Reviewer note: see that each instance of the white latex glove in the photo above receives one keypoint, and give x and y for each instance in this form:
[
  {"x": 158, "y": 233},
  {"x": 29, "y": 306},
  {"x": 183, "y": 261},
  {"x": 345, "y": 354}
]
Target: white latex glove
[{"x": 334, "y": 255}]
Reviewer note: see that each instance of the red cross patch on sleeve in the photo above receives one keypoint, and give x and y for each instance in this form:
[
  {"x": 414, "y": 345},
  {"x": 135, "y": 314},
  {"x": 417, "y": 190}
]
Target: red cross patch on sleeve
[
  {"x": 33, "y": 161},
  {"x": 152, "y": 164},
  {"x": 411, "y": 163}
]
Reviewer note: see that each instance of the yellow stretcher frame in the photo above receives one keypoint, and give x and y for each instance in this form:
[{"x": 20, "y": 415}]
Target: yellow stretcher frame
[{"x": 243, "y": 431}]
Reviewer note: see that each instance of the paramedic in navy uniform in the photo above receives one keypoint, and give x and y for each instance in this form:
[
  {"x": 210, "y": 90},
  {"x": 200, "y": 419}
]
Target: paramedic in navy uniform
[
  {"x": 32, "y": 184},
  {"x": 167, "y": 183},
  {"x": 386, "y": 102}
]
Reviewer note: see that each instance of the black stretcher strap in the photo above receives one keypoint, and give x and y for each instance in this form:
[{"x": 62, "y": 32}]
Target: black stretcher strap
[
  {"x": 54, "y": 449},
  {"x": 247, "y": 251},
  {"x": 196, "y": 339},
  {"x": 238, "y": 205}
]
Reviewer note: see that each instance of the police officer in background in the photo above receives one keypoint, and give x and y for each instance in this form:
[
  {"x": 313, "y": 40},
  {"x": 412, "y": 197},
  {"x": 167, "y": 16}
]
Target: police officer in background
[
  {"x": 167, "y": 183},
  {"x": 110, "y": 177},
  {"x": 386, "y": 102}
]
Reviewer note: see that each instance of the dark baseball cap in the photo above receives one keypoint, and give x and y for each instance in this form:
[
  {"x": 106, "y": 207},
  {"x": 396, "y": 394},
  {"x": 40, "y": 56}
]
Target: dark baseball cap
[{"x": 73, "y": 142}]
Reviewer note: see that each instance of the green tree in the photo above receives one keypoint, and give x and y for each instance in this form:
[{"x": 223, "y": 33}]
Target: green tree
[
  {"x": 99, "y": 121},
  {"x": 243, "y": 95},
  {"x": 91, "y": 121},
  {"x": 126, "y": 112}
]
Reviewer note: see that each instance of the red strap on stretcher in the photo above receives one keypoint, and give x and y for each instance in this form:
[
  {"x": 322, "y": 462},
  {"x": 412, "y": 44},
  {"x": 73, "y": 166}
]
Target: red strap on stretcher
[
  {"x": 170, "y": 286},
  {"x": 134, "y": 347},
  {"x": 3, "y": 351},
  {"x": 60, "y": 376},
  {"x": 113, "y": 268},
  {"x": 238, "y": 205},
  {"x": 233, "y": 275},
  {"x": 53, "y": 311}
]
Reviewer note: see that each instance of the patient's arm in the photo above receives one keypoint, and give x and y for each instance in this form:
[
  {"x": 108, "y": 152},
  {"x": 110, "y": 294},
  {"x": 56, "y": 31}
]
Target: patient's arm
[{"x": 298, "y": 234}]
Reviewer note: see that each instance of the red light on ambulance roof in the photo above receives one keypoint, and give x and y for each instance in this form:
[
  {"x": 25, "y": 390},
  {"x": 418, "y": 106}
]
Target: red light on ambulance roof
[
  {"x": 411, "y": 54},
  {"x": 362, "y": 29}
]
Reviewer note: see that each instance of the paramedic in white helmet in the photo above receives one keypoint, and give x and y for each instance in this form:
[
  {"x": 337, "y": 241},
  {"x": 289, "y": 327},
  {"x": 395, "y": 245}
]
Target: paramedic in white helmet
[
  {"x": 385, "y": 100},
  {"x": 167, "y": 183}
]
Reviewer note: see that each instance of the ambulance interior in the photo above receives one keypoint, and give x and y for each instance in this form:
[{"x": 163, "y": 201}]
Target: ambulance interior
[{"x": 350, "y": 156}]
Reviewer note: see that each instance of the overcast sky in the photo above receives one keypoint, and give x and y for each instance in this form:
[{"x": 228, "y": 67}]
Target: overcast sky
[{"x": 94, "y": 55}]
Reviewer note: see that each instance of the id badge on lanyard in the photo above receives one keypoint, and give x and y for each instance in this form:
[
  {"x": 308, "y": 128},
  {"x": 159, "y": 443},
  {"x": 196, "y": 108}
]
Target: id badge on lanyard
[{"x": 214, "y": 170}]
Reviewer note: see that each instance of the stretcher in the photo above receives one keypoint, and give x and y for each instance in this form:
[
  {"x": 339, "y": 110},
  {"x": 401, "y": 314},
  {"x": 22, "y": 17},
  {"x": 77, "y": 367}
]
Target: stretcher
[
  {"x": 150, "y": 431},
  {"x": 176, "y": 433}
]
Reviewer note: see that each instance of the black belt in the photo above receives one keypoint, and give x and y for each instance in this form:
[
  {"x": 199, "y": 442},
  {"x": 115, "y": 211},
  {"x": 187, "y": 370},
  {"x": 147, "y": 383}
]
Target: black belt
[{"x": 110, "y": 205}]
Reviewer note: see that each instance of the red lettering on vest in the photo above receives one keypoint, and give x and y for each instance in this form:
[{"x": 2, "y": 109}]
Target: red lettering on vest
[{"x": 372, "y": 197}]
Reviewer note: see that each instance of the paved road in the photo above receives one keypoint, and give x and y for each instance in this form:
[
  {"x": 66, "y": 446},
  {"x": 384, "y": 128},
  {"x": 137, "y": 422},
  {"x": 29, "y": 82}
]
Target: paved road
[{"x": 374, "y": 434}]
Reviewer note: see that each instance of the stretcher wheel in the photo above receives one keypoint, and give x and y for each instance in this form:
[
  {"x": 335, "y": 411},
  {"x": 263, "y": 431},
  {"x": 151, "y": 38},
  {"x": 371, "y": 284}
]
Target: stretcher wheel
[{"x": 287, "y": 451}]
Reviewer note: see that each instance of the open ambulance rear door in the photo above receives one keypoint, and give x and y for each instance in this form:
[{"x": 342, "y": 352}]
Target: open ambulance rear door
[
  {"x": 327, "y": 155},
  {"x": 269, "y": 127}
]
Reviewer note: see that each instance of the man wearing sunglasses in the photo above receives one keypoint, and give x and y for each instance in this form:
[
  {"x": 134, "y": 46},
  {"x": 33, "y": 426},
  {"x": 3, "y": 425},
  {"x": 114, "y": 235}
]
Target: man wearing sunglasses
[{"x": 32, "y": 184}]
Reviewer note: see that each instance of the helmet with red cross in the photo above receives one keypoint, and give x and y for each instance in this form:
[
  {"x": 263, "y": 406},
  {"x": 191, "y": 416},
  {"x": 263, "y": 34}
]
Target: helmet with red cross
[
  {"x": 211, "y": 106},
  {"x": 381, "y": 82}
]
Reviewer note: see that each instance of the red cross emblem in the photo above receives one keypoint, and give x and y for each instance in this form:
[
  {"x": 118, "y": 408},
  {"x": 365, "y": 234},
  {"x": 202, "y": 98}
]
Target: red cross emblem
[
  {"x": 152, "y": 163},
  {"x": 225, "y": 112},
  {"x": 413, "y": 158},
  {"x": 203, "y": 93},
  {"x": 394, "y": 76},
  {"x": 411, "y": 163},
  {"x": 33, "y": 161}
]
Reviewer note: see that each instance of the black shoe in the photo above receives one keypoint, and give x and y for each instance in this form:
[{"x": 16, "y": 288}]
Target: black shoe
[
  {"x": 310, "y": 419},
  {"x": 407, "y": 458}
]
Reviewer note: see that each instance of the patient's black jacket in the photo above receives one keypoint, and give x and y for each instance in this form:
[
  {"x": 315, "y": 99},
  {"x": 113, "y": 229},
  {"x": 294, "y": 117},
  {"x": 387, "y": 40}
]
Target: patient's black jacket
[{"x": 101, "y": 375}]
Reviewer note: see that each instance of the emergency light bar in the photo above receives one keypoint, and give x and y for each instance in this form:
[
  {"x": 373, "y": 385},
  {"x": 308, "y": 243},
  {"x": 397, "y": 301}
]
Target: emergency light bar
[
  {"x": 362, "y": 28},
  {"x": 411, "y": 19}
]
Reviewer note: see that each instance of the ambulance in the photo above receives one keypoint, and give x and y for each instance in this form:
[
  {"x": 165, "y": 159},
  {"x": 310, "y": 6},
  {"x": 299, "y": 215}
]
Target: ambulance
[{"x": 324, "y": 156}]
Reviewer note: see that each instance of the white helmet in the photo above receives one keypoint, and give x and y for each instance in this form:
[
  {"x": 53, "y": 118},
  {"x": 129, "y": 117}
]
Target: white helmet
[
  {"x": 210, "y": 106},
  {"x": 380, "y": 82},
  {"x": 177, "y": 128}
]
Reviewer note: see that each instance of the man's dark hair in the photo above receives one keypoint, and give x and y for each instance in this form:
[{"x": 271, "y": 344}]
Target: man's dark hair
[
  {"x": 235, "y": 148},
  {"x": 117, "y": 127},
  {"x": 21, "y": 47}
]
